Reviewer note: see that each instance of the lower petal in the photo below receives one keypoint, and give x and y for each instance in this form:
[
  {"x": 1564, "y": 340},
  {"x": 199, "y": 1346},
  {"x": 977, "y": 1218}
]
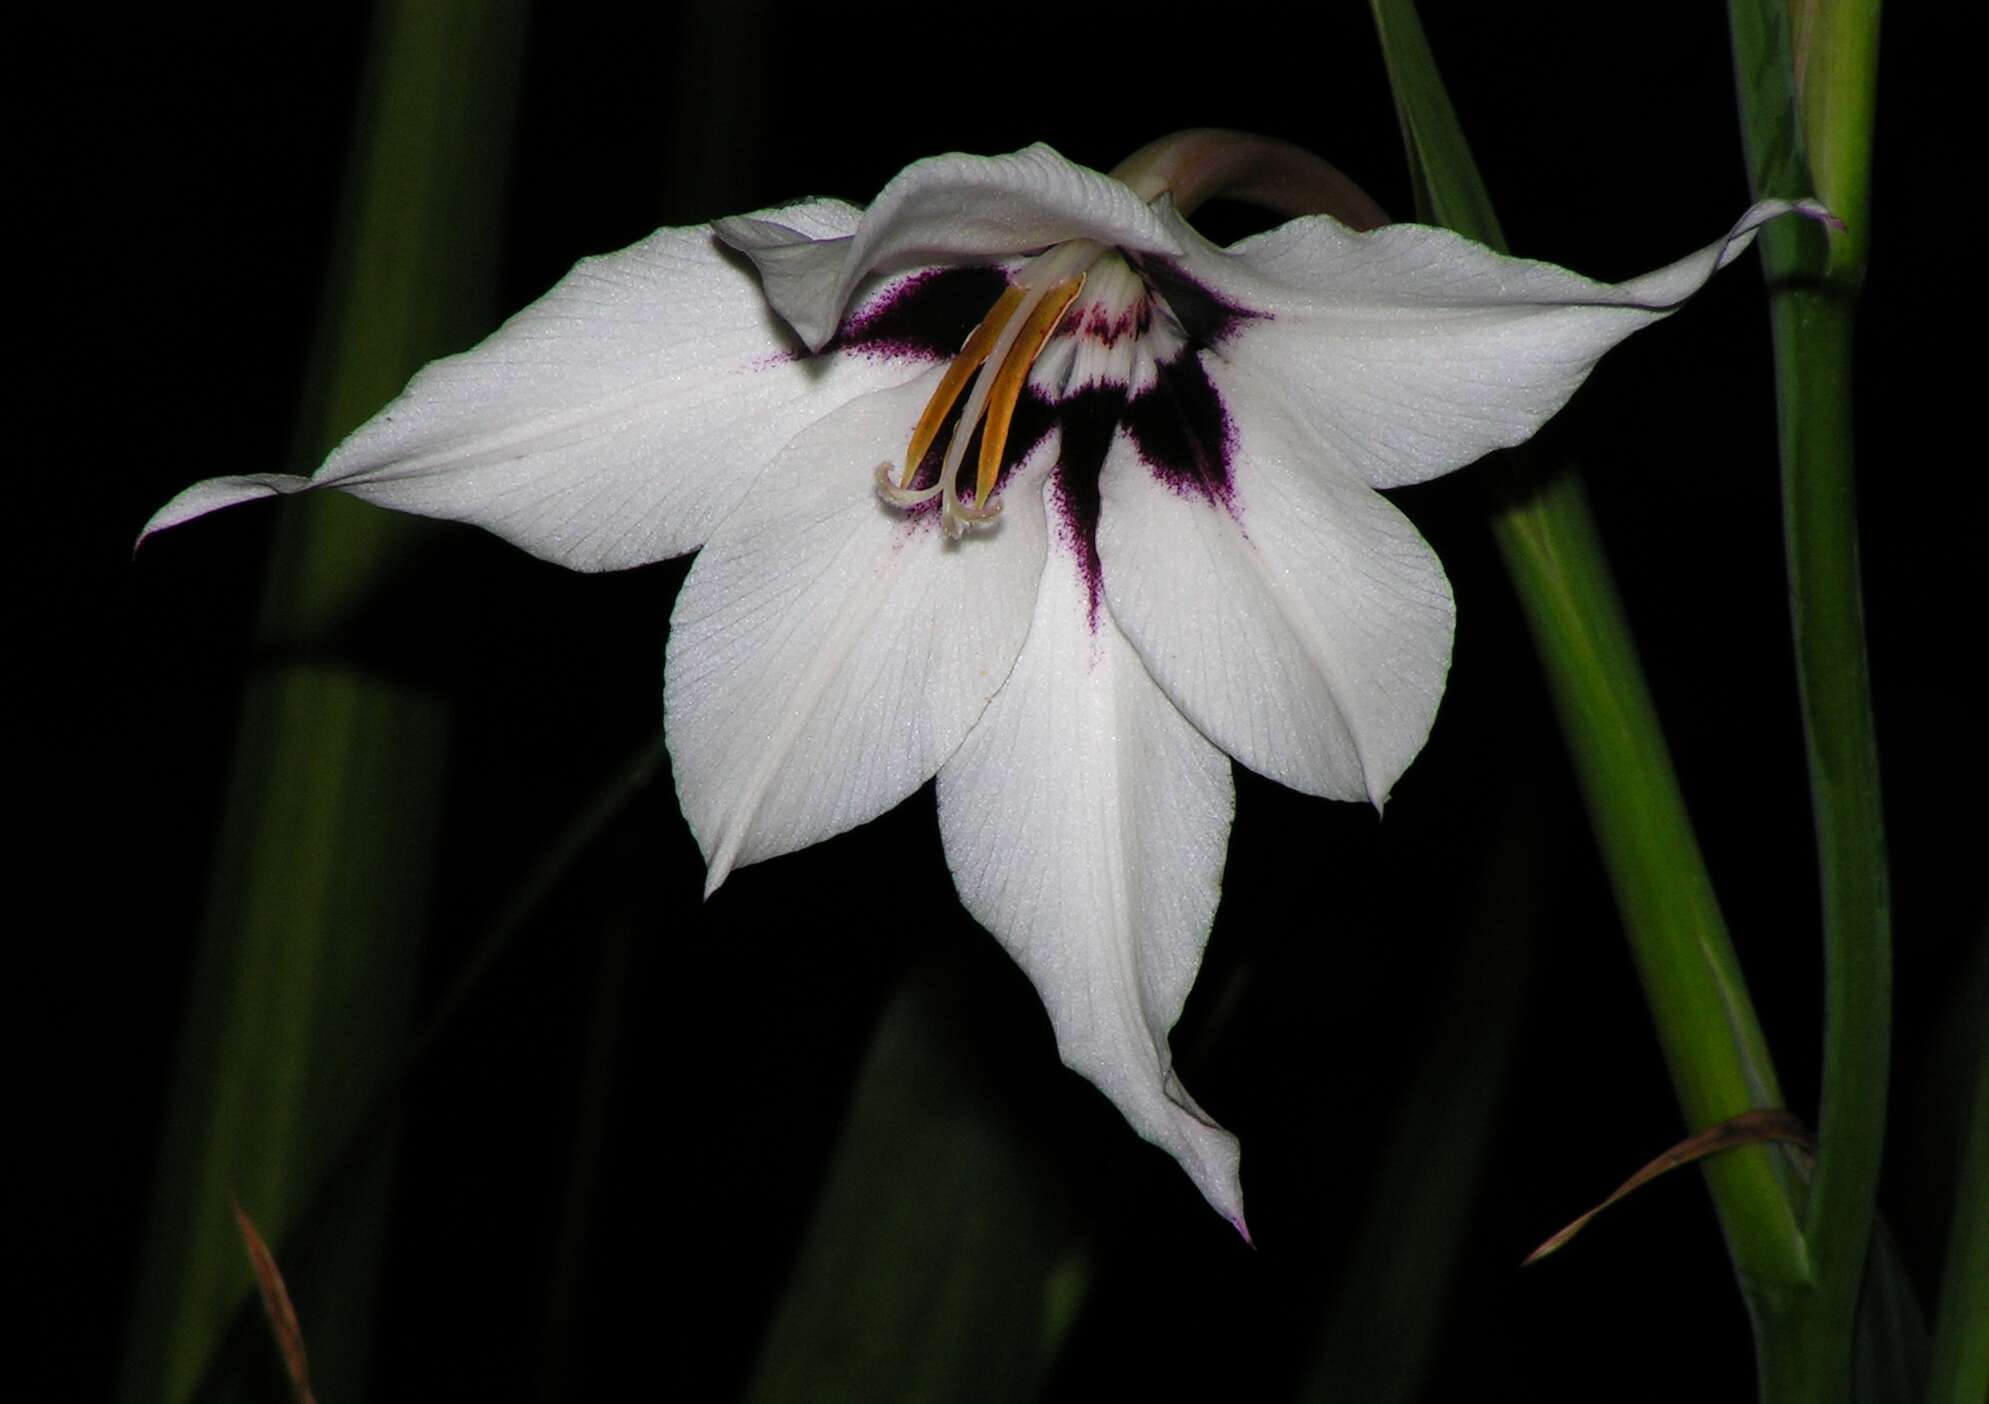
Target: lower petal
[
  {"x": 1295, "y": 616},
  {"x": 828, "y": 652},
  {"x": 1086, "y": 823}
]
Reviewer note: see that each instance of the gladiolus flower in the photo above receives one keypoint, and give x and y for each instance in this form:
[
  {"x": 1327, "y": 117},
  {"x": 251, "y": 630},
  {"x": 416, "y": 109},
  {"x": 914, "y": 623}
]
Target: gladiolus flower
[{"x": 1015, "y": 480}]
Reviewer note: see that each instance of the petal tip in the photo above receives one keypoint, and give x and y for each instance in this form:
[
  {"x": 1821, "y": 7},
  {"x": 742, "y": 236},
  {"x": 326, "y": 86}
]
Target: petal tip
[
  {"x": 801, "y": 273},
  {"x": 1822, "y": 213},
  {"x": 722, "y": 854},
  {"x": 214, "y": 494}
]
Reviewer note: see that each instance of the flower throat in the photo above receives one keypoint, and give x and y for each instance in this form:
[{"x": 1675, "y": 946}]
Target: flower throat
[
  {"x": 1186, "y": 169},
  {"x": 997, "y": 358}
]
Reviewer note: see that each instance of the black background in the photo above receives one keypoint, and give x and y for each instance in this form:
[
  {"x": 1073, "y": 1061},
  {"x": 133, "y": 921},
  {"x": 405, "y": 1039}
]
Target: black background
[{"x": 185, "y": 185}]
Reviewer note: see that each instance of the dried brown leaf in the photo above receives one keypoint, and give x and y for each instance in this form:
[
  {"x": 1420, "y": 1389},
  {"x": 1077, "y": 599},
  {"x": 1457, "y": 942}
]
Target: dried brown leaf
[
  {"x": 276, "y": 1305},
  {"x": 1750, "y": 1128}
]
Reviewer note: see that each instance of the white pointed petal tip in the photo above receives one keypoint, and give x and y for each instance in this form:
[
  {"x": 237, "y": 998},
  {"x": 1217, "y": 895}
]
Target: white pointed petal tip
[
  {"x": 799, "y": 271},
  {"x": 720, "y": 867},
  {"x": 1816, "y": 209},
  {"x": 1664, "y": 290},
  {"x": 1742, "y": 234},
  {"x": 1159, "y": 1108},
  {"x": 1212, "y": 1157},
  {"x": 216, "y": 493},
  {"x": 1085, "y": 822},
  {"x": 614, "y": 422}
]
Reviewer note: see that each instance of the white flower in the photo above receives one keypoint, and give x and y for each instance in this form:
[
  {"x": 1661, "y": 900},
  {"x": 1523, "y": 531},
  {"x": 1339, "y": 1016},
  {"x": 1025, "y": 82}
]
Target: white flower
[{"x": 1190, "y": 557}]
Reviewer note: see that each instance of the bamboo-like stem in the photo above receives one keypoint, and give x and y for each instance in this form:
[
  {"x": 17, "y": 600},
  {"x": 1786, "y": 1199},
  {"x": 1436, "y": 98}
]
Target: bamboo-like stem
[{"x": 1806, "y": 102}]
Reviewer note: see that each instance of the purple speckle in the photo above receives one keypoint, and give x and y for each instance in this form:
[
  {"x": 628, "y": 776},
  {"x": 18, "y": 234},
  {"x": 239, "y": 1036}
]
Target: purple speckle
[
  {"x": 925, "y": 317},
  {"x": 1108, "y": 328}
]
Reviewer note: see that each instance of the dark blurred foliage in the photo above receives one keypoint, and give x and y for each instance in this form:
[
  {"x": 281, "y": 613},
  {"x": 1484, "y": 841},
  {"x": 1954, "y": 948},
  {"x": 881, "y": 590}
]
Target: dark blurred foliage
[{"x": 610, "y": 1158}]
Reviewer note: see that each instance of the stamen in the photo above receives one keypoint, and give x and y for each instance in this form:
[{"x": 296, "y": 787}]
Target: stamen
[
  {"x": 1013, "y": 375},
  {"x": 903, "y": 498},
  {"x": 955, "y": 380},
  {"x": 997, "y": 357}
]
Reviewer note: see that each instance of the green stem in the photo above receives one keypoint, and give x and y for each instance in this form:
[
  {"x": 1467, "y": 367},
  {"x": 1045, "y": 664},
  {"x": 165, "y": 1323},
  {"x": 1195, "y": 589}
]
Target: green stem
[
  {"x": 1707, "y": 1026},
  {"x": 1960, "y": 1371},
  {"x": 1711, "y": 1038},
  {"x": 1812, "y": 330},
  {"x": 1806, "y": 102}
]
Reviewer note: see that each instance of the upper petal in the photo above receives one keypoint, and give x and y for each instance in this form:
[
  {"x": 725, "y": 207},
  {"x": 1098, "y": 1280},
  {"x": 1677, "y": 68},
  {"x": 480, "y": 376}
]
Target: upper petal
[
  {"x": 613, "y": 422},
  {"x": 1086, "y": 824},
  {"x": 1411, "y": 350},
  {"x": 827, "y": 652},
  {"x": 1289, "y": 610},
  {"x": 942, "y": 209}
]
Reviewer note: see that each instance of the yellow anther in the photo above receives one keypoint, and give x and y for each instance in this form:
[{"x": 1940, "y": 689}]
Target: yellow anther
[
  {"x": 1013, "y": 375},
  {"x": 969, "y": 359}
]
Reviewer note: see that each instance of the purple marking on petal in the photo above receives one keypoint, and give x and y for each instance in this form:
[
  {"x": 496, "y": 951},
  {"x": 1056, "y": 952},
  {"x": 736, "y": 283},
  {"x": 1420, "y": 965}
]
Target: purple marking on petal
[
  {"x": 1208, "y": 318},
  {"x": 1088, "y": 419},
  {"x": 1033, "y": 418},
  {"x": 1184, "y": 433},
  {"x": 1108, "y": 328},
  {"x": 924, "y": 317}
]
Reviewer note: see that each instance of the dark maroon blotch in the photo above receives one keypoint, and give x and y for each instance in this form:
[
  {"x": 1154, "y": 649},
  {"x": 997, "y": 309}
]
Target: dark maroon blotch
[
  {"x": 1178, "y": 425},
  {"x": 1088, "y": 420},
  {"x": 926, "y": 317},
  {"x": 1033, "y": 418},
  {"x": 1206, "y": 316},
  {"x": 1182, "y": 430}
]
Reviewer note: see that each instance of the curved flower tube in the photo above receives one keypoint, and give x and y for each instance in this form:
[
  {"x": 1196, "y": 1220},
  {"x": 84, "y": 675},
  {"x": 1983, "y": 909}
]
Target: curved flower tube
[{"x": 1015, "y": 480}]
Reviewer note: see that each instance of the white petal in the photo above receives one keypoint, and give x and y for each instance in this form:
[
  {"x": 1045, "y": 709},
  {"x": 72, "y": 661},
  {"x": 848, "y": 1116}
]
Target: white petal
[
  {"x": 613, "y": 422},
  {"x": 1413, "y": 351},
  {"x": 1086, "y": 822},
  {"x": 827, "y": 652},
  {"x": 1302, "y": 623},
  {"x": 943, "y": 209}
]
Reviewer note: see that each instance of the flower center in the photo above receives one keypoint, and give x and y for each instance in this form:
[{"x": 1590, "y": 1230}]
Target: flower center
[{"x": 996, "y": 358}]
